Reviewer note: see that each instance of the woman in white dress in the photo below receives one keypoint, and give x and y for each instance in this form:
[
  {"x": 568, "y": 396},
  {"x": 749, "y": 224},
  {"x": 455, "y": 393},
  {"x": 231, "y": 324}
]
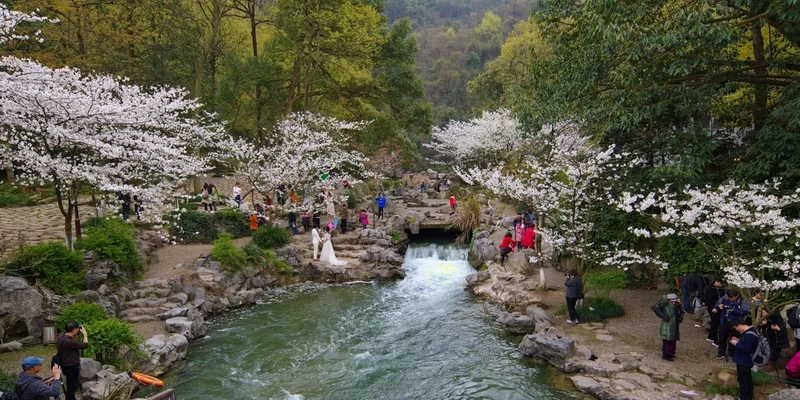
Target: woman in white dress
[{"x": 327, "y": 254}]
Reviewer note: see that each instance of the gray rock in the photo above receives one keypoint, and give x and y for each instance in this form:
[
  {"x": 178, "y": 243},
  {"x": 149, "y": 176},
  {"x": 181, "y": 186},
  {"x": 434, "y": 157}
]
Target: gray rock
[
  {"x": 478, "y": 277},
  {"x": 106, "y": 381},
  {"x": 89, "y": 369},
  {"x": 549, "y": 346},
  {"x": 516, "y": 322},
  {"x": 161, "y": 352},
  {"x": 482, "y": 235},
  {"x": 20, "y": 304},
  {"x": 785, "y": 394},
  {"x": 179, "y": 298},
  {"x": 540, "y": 318},
  {"x": 10, "y": 346},
  {"x": 180, "y": 325}
]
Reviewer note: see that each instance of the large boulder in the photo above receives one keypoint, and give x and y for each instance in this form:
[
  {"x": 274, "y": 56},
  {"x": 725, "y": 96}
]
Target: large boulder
[
  {"x": 101, "y": 273},
  {"x": 107, "y": 381},
  {"x": 516, "y": 322},
  {"x": 541, "y": 319},
  {"x": 483, "y": 250},
  {"x": 10, "y": 346},
  {"x": 785, "y": 394},
  {"x": 161, "y": 352},
  {"x": 519, "y": 262},
  {"x": 549, "y": 346},
  {"x": 21, "y": 308},
  {"x": 89, "y": 369}
]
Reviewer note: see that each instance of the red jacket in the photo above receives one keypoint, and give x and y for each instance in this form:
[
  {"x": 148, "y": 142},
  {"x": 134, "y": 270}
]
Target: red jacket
[
  {"x": 508, "y": 243},
  {"x": 452, "y": 202},
  {"x": 529, "y": 238}
]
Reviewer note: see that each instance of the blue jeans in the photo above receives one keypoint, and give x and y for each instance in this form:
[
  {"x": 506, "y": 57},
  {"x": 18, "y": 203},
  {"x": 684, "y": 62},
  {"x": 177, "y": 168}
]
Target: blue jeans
[{"x": 687, "y": 303}]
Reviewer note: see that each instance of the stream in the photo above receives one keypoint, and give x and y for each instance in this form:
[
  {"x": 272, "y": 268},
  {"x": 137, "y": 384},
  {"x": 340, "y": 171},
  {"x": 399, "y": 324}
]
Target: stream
[{"x": 423, "y": 337}]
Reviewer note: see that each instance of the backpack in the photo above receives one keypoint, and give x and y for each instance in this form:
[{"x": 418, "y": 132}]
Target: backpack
[
  {"x": 204, "y": 194},
  {"x": 8, "y": 396},
  {"x": 792, "y": 318},
  {"x": 763, "y": 352}
]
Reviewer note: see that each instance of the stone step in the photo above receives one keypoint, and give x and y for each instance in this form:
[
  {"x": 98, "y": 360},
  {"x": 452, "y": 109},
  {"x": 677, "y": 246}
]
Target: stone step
[
  {"x": 139, "y": 318},
  {"x": 145, "y": 302},
  {"x": 150, "y": 292}
]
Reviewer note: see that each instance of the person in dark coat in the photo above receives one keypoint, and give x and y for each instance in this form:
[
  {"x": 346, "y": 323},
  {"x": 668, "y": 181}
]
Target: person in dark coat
[
  {"x": 746, "y": 346},
  {"x": 574, "y": 286},
  {"x": 691, "y": 285},
  {"x": 669, "y": 310},
  {"x": 774, "y": 328},
  {"x": 30, "y": 386},
  {"x": 710, "y": 298}
]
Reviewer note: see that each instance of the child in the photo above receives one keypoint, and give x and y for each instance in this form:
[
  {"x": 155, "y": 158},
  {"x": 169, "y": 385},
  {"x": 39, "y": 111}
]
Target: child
[
  {"x": 453, "y": 205},
  {"x": 363, "y": 218},
  {"x": 506, "y": 246}
]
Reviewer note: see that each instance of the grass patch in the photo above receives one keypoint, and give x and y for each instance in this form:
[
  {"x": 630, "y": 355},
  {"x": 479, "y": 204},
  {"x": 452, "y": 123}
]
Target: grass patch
[
  {"x": 713, "y": 388},
  {"x": 10, "y": 362},
  {"x": 761, "y": 378},
  {"x": 7, "y": 380}
]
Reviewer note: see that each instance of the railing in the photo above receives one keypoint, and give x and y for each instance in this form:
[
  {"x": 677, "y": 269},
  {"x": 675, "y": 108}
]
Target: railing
[{"x": 168, "y": 394}]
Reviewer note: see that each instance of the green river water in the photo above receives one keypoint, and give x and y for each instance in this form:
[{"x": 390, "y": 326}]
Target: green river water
[{"x": 423, "y": 337}]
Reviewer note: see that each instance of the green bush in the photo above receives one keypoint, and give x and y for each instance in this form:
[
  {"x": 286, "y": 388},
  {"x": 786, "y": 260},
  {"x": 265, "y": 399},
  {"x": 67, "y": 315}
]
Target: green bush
[
  {"x": 54, "y": 265},
  {"x": 253, "y": 252},
  {"x": 269, "y": 237},
  {"x": 234, "y": 222},
  {"x": 226, "y": 252},
  {"x": 685, "y": 257},
  {"x": 596, "y": 309},
  {"x": 107, "y": 338},
  {"x": 113, "y": 239},
  {"x": 194, "y": 227},
  {"x": 603, "y": 282},
  {"x": 352, "y": 199},
  {"x": 82, "y": 313},
  {"x": 11, "y": 196}
]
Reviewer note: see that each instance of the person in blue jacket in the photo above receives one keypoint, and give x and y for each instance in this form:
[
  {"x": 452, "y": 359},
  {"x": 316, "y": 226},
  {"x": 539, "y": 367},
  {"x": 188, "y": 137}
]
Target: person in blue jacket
[
  {"x": 381, "y": 199},
  {"x": 29, "y": 386},
  {"x": 746, "y": 346},
  {"x": 729, "y": 308}
]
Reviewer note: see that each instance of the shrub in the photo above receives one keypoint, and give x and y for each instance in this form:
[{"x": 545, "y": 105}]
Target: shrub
[
  {"x": 107, "y": 339},
  {"x": 278, "y": 265},
  {"x": 194, "y": 227},
  {"x": 226, "y": 252},
  {"x": 468, "y": 218},
  {"x": 603, "y": 282},
  {"x": 253, "y": 252},
  {"x": 352, "y": 199},
  {"x": 686, "y": 256},
  {"x": 54, "y": 265},
  {"x": 11, "y": 196},
  {"x": 82, "y": 313},
  {"x": 269, "y": 237},
  {"x": 596, "y": 309},
  {"x": 234, "y": 222},
  {"x": 113, "y": 239}
]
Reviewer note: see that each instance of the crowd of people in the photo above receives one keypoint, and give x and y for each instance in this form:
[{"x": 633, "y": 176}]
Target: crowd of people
[
  {"x": 522, "y": 235},
  {"x": 731, "y": 329}
]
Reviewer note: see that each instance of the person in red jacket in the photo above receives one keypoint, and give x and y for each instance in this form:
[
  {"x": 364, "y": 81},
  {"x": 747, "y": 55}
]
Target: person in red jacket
[
  {"x": 453, "y": 205},
  {"x": 506, "y": 246},
  {"x": 529, "y": 237}
]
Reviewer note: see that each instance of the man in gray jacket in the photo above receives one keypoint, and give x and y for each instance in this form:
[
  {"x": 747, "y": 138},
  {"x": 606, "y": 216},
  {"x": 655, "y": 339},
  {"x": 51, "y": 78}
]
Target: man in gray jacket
[{"x": 30, "y": 386}]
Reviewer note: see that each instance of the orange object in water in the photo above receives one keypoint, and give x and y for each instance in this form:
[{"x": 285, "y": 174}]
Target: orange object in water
[
  {"x": 253, "y": 222},
  {"x": 147, "y": 379}
]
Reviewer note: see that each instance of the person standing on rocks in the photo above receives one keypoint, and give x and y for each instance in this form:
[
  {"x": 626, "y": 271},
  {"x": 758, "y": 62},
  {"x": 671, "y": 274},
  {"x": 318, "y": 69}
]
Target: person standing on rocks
[
  {"x": 520, "y": 232},
  {"x": 363, "y": 218},
  {"x": 574, "y": 286},
  {"x": 671, "y": 314},
  {"x": 344, "y": 217},
  {"x": 315, "y": 239},
  {"x": 529, "y": 237},
  {"x": 306, "y": 218},
  {"x": 68, "y": 352},
  {"x": 237, "y": 194},
  {"x": 29, "y": 386},
  {"x": 745, "y": 346},
  {"x": 381, "y": 200},
  {"x": 506, "y": 246}
]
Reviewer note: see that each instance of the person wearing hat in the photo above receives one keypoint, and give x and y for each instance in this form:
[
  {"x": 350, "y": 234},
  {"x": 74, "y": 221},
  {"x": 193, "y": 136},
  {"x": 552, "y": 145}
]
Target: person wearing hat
[
  {"x": 671, "y": 314},
  {"x": 713, "y": 293},
  {"x": 30, "y": 386},
  {"x": 745, "y": 346},
  {"x": 729, "y": 308}
]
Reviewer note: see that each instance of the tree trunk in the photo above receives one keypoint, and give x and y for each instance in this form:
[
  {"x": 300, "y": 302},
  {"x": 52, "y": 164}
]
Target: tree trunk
[
  {"x": 68, "y": 225},
  {"x": 760, "y": 111},
  {"x": 9, "y": 174}
]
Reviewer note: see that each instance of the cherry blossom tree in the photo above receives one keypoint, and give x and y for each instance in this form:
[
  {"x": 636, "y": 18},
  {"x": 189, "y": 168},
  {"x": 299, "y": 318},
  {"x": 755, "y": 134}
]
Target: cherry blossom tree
[
  {"x": 303, "y": 148},
  {"x": 78, "y": 132},
  {"x": 746, "y": 229},
  {"x": 478, "y": 140},
  {"x": 10, "y": 19}
]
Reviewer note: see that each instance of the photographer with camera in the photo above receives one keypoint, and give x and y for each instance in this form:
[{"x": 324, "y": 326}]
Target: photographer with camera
[
  {"x": 574, "y": 286},
  {"x": 68, "y": 355},
  {"x": 728, "y": 308}
]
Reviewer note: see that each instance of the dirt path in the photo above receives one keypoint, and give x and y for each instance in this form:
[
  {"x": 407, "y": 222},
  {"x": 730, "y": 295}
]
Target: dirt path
[{"x": 637, "y": 331}]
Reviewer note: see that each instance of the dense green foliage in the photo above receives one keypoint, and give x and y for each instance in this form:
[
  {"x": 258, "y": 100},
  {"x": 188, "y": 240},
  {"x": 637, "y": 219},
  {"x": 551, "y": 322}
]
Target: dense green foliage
[
  {"x": 233, "y": 222},
  {"x": 194, "y": 227},
  {"x": 7, "y": 381},
  {"x": 10, "y": 196},
  {"x": 226, "y": 252},
  {"x": 685, "y": 257},
  {"x": 113, "y": 239},
  {"x": 108, "y": 337},
  {"x": 270, "y": 237},
  {"x": 51, "y": 263},
  {"x": 594, "y": 309},
  {"x": 80, "y": 312},
  {"x": 273, "y": 261}
]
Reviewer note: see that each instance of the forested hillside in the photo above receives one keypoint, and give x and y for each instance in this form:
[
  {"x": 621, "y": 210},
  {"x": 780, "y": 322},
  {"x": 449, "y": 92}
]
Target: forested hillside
[
  {"x": 457, "y": 40},
  {"x": 251, "y": 61}
]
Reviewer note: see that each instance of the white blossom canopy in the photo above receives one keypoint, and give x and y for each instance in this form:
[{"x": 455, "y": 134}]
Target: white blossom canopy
[{"x": 9, "y": 19}]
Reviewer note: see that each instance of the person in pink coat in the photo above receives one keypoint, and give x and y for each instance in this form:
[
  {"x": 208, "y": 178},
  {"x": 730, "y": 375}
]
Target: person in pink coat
[{"x": 520, "y": 231}]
